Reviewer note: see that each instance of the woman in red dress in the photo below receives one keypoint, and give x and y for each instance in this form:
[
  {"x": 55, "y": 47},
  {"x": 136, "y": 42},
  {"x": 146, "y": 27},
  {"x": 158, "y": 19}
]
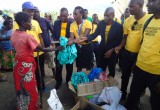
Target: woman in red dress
[{"x": 24, "y": 64}]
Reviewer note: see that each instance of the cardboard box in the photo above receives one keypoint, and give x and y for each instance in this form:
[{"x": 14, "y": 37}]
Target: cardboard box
[
  {"x": 92, "y": 88},
  {"x": 82, "y": 104}
]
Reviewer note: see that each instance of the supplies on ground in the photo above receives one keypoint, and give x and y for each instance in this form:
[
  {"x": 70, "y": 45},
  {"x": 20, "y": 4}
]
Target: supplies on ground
[
  {"x": 82, "y": 86},
  {"x": 78, "y": 78},
  {"x": 101, "y": 91}
]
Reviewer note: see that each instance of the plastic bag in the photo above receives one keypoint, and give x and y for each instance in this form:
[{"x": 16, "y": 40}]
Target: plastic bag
[
  {"x": 94, "y": 74},
  {"x": 111, "y": 96},
  {"x": 118, "y": 107},
  {"x": 54, "y": 101},
  {"x": 103, "y": 76},
  {"x": 94, "y": 99}
]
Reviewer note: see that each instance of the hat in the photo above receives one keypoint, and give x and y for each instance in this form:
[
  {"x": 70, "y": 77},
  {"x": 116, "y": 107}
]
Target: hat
[
  {"x": 28, "y": 5},
  {"x": 3, "y": 15}
]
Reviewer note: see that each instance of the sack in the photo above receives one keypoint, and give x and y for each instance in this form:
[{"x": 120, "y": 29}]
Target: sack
[
  {"x": 111, "y": 96},
  {"x": 54, "y": 101}
]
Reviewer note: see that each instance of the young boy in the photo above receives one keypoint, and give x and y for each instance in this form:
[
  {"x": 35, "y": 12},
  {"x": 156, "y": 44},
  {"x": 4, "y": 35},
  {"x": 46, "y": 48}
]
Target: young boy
[{"x": 24, "y": 64}]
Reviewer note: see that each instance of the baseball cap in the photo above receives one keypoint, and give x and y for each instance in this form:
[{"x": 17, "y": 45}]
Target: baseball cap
[
  {"x": 3, "y": 15},
  {"x": 28, "y": 5}
]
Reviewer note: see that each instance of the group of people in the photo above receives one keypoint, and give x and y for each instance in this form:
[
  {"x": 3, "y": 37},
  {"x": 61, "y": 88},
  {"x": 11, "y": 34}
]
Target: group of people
[
  {"x": 6, "y": 49},
  {"x": 138, "y": 48},
  {"x": 134, "y": 41}
]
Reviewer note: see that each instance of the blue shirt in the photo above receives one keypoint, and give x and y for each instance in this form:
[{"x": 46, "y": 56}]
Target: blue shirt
[
  {"x": 45, "y": 27},
  {"x": 1, "y": 25},
  {"x": 6, "y": 45}
]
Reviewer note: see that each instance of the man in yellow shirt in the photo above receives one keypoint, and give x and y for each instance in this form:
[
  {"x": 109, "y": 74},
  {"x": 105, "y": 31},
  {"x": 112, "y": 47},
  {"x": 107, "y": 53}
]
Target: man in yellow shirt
[
  {"x": 133, "y": 27},
  {"x": 95, "y": 42},
  {"x": 61, "y": 27},
  {"x": 147, "y": 70},
  {"x": 29, "y": 8}
]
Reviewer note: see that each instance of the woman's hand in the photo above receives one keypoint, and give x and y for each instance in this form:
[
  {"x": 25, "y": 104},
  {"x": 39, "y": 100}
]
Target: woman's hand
[
  {"x": 80, "y": 40},
  {"x": 70, "y": 42}
]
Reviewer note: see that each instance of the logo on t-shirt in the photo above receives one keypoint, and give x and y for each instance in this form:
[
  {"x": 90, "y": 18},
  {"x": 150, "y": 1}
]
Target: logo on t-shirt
[
  {"x": 151, "y": 31},
  {"x": 137, "y": 27},
  {"x": 33, "y": 28}
]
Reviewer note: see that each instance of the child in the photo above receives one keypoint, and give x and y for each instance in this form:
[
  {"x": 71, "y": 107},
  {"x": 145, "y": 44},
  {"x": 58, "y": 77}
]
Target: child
[
  {"x": 25, "y": 66},
  {"x": 6, "y": 45}
]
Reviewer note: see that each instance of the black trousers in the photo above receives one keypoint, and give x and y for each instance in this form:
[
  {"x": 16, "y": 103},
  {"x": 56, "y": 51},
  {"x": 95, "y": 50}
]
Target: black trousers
[
  {"x": 128, "y": 61},
  {"x": 108, "y": 62},
  {"x": 96, "y": 51},
  {"x": 59, "y": 67},
  {"x": 84, "y": 56},
  {"x": 119, "y": 59},
  {"x": 38, "y": 78},
  {"x": 141, "y": 80}
]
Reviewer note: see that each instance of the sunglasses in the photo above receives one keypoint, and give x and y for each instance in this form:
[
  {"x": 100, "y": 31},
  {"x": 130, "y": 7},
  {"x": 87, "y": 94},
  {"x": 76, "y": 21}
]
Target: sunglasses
[{"x": 133, "y": 26}]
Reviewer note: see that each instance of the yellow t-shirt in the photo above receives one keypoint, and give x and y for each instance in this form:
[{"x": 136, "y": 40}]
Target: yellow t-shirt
[
  {"x": 107, "y": 32},
  {"x": 63, "y": 29},
  {"x": 149, "y": 54},
  {"x": 35, "y": 31},
  {"x": 74, "y": 28},
  {"x": 134, "y": 36},
  {"x": 94, "y": 27}
]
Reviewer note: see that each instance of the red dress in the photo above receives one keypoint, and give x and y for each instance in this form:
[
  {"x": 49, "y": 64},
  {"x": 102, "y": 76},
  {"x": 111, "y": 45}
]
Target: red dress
[{"x": 24, "y": 71}]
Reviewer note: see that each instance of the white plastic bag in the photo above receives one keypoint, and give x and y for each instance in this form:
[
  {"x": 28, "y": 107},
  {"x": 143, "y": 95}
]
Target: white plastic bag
[
  {"x": 54, "y": 101},
  {"x": 112, "y": 96},
  {"x": 118, "y": 107}
]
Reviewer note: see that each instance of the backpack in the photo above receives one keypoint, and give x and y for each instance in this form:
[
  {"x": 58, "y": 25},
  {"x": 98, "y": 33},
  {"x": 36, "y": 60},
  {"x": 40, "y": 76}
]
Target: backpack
[{"x": 145, "y": 26}]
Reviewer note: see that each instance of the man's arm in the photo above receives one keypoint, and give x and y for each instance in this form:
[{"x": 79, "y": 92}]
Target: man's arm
[
  {"x": 89, "y": 37},
  {"x": 117, "y": 43},
  {"x": 41, "y": 40},
  {"x": 122, "y": 44},
  {"x": 126, "y": 27}
]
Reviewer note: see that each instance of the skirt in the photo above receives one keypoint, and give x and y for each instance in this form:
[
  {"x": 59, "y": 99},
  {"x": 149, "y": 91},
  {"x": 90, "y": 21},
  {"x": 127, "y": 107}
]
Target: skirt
[
  {"x": 84, "y": 56},
  {"x": 25, "y": 83}
]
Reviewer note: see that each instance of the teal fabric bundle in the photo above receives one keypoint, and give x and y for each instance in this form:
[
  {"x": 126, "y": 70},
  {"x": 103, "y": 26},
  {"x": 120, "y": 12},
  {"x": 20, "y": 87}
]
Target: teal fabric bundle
[
  {"x": 68, "y": 55},
  {"x": 77, "y": 78}
]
